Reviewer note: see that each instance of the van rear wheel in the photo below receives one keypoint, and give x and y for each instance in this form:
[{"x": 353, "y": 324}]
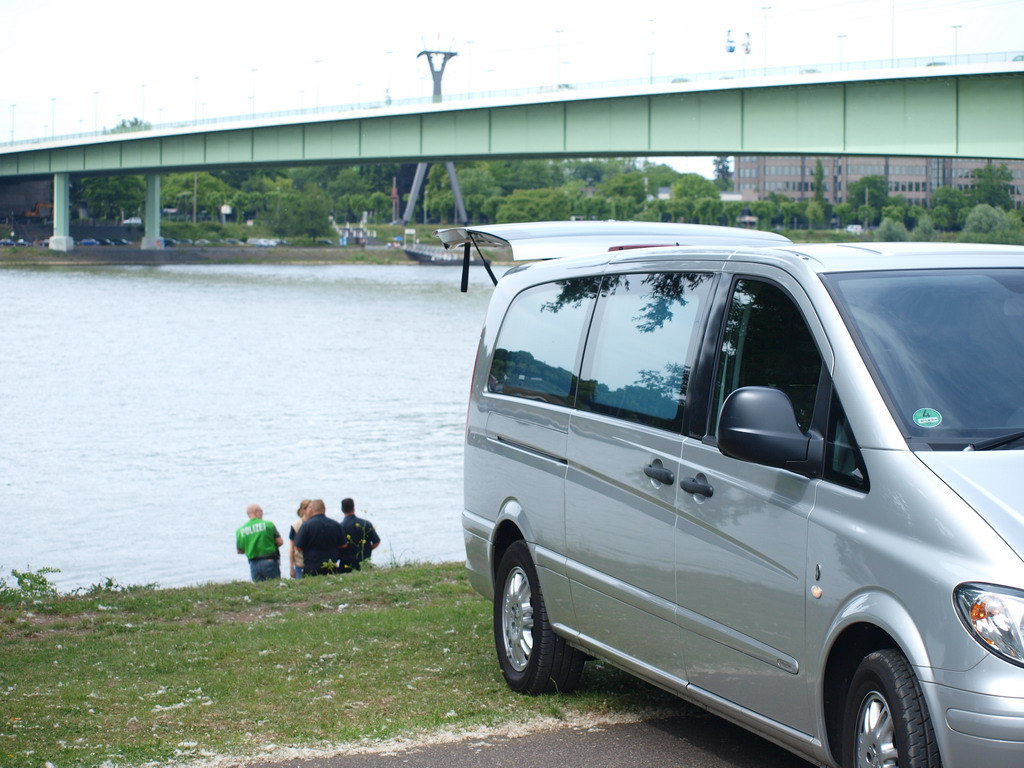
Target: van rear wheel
[
  {"x": 886, "y": 724},
  {"x": 533, "y": 658}
]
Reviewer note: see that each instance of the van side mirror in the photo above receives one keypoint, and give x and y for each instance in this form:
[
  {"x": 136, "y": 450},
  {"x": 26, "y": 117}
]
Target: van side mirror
[{"x": 758, "y": 424}]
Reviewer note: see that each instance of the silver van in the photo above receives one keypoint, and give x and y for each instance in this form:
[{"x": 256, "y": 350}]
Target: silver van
[{"x": 785, "y": 482}]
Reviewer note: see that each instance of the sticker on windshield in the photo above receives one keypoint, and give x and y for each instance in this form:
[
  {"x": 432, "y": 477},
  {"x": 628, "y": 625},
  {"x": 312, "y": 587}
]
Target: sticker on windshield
[{"x": 927, "y": 418}]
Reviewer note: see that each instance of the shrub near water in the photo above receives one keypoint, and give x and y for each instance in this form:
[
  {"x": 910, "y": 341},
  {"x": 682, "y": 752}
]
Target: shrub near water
[{"x": 133, "y": 675}]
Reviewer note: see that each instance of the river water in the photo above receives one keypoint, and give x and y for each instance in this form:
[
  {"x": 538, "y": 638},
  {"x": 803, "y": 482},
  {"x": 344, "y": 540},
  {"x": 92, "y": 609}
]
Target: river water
[{"x": 142, "y": 409}]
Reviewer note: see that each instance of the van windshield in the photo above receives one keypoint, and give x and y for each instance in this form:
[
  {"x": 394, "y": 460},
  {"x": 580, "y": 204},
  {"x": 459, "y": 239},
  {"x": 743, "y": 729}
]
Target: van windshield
[{"x": 946, "y": 347}]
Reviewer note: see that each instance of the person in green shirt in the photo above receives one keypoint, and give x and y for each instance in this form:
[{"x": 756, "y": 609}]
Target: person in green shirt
[{"x": 260, "y": 542}]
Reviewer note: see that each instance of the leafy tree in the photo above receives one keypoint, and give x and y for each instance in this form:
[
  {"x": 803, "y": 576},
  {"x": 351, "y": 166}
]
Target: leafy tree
[
  {"x": 954, "y": 204},
  {"x": 916, "y": 212},
  {"x": 594, "y": 170},
  {"x": 794, "y": 214},
  {"x": 767, "y": 211},
  {"x": 112, "y": 197},
  {"x": 723, "y": 174},
  {"x": 631, "y": 186},
  {"x": 207, "y": 192},
  {"x": 869, "y": 190},
  {"x": 891, "y": 230},
  {"x": 708, "y": 210},
  {"x": 534, "y": 205},
  {"x": 349, "y": 208},
  {"x": 658, "y": 175},
  {"x": 815, "y": 214},
  {"x": 732, "y": 211},
  {"x": 894, "y": 211},
  {"x": 942, "y": 217},
  {"x": 130, "y": 126},
  {"x": 992, "y": 186},
  {"x": 293, "y": 213},
  {"x": 693, "y": 185},
  {"x": 847, "y": 213},
  {"x": 986, "y": 220},
  {"x": 819, "y": 182},
  {"x": 925, "y": 229},
  {"x": 679, "y": 209},
  {"x": 867, "y": 214},
  {"x": 525, "y": 174}
]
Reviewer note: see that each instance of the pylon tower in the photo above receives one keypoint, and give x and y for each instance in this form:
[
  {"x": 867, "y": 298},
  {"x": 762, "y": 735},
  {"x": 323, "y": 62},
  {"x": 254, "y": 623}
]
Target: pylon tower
[{"x": 436, "y": 73}]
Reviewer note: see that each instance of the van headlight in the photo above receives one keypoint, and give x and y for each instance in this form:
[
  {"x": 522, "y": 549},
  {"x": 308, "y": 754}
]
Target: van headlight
[{"x": 995, "y": 617}]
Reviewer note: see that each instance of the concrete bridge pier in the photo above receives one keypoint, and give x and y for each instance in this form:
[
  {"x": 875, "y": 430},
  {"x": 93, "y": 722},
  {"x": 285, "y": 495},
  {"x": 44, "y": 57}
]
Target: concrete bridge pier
[
  {"x": 151, "y": 240},
  {"x": 62, "y": 240}
]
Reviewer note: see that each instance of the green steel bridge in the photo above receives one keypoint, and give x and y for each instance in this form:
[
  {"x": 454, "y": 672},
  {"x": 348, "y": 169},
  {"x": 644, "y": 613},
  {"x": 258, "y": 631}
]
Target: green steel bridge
[{"x": 968, "y": 111}]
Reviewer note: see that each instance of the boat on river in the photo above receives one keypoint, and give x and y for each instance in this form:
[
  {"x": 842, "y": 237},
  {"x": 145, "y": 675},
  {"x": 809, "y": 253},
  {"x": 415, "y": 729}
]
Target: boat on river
[{"x": 433, "y": 254}]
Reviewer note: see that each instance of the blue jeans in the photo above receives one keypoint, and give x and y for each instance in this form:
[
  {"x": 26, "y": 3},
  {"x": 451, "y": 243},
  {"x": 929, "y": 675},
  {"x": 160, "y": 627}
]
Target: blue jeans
[
  {"x": 298, "y": 571},
  {"x": 264, "y": 568}
]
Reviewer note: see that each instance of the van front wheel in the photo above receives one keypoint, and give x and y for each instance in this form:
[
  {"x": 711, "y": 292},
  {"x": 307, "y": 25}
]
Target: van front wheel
[
  {"x": 533, "y": 658},
  {"x": 886, "y": 723}
]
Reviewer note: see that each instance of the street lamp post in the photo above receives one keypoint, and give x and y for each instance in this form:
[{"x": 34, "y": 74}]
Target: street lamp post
[
  {"x": 764, "y": 37},
  {"x": 956, "y": 41},
  {"x": 558, "y": 56},
  {"x": 650, "y": 69},
  {"x": 841, "y": 39},
  {"x": 12, "y": 122},
  {"x": 95, "y": 111},
  {"x": 142, "y": 109},
  {"x": 53, "y": 122},
  {"x": 195, "y": 98},
  {"x": 252, "y": 98},
  {"x": 317, "y": 83}
]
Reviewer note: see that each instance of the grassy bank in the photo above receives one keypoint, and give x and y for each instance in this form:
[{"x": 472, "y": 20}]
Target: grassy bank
[{"x": 141, "y": 675}]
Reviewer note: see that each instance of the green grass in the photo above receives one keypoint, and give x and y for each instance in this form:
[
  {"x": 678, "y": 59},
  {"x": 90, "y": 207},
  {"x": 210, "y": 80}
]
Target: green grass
[{"x": 142, "y": 675}]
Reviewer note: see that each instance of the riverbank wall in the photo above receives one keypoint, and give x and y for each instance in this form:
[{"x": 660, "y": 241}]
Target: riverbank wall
[{"x": 128, "y": 256}]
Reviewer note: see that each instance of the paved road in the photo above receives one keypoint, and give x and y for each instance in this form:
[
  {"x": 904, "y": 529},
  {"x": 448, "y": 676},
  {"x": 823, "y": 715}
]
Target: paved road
[{"x": 685, "y": 741}]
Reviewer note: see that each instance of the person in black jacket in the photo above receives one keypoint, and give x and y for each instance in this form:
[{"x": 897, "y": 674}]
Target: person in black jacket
[
  {"x": 321, "y": 540},
  {"x": 360, "y": 535}
]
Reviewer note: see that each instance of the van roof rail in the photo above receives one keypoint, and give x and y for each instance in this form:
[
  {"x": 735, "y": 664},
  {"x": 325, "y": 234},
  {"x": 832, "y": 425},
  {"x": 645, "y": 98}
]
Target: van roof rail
[{"x": 540, "y": 240}]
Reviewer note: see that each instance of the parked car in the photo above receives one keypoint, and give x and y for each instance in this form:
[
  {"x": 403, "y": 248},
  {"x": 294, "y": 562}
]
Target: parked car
[
  {"x": 778, "y": 480},
  {"x": 89, "y": 241}
]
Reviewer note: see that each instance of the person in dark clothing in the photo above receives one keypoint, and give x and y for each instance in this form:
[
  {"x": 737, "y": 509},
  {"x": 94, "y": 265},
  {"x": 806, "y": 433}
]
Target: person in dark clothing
[
  {"x": 321, "y": 540},
  {"x": 361, "y": 536}
]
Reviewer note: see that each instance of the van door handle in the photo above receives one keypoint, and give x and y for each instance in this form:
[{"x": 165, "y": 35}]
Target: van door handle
[
  {"x": 662, "y": 475},
  {"x": 692, "y": 485}
]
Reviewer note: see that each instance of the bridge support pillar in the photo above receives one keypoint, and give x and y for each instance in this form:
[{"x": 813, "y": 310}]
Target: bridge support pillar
[
  {"x": 151, "y": 240},
  {"x": 62, "y": 240}
]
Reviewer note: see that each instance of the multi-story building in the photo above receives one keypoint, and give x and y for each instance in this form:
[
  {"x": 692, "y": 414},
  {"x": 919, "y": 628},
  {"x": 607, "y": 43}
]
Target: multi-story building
[{"x": 913, "y": 178}]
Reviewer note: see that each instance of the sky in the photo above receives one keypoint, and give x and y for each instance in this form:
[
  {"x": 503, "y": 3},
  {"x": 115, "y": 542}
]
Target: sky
[{"x": 73, "y": 67}]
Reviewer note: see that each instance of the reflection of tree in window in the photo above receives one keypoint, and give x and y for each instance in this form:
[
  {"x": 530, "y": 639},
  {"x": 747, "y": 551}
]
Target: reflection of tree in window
[
  {"x": 535, "y": 352},
  {"x": 520, "y": 373},
  {"x": 636, "y": 364},
  {"x": 665, "y": 288},
  {"x": 767, "y": 344}
]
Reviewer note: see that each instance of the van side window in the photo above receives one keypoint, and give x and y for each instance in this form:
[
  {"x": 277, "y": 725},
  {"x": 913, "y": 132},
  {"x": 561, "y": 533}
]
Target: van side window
[
  {"x": 844, "y": 463},
  {"x": 642, "y": 340},
  {"x": 538, "y": 345},
  {"x": 766, "y": 343}
]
